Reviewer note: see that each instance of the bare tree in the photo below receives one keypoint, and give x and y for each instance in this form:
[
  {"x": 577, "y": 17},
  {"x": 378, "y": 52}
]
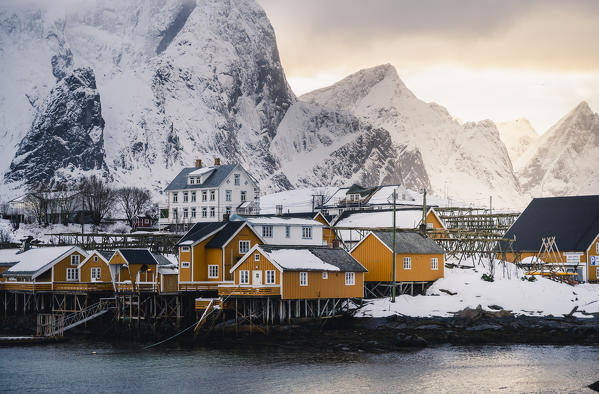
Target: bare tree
[
  {"x": 37, "y": 204},
  {"x": 134, "y": 201},
  {"x": 97, "y": 198},
  {"x": 67, "y": 201}
]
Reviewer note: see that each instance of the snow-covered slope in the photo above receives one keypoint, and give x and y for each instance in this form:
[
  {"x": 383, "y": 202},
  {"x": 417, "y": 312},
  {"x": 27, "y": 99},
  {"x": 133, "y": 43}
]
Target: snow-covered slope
[
  {"x": 517, "y": 135},
  {"x": 178, "y": 80},
  {"x": 565, "y": 159},
  {"x": 468, "y": 160}
]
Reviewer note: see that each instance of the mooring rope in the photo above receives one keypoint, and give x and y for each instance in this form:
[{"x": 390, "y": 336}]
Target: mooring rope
[{"x": 169, "y": 338}]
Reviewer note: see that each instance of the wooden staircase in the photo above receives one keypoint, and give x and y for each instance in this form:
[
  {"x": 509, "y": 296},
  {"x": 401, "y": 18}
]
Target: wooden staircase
[{"x": 51, "y": 325}]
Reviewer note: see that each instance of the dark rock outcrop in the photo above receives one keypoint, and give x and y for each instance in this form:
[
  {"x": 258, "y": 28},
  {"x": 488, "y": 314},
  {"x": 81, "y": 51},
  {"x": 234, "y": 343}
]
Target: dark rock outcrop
[{"x": 66, "y": 137}]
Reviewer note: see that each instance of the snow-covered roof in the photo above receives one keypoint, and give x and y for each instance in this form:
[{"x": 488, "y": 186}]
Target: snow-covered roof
[
  {"x": 35, "y": 261},
  {"x": 302, "y": 258},
  {"x": 384, "y": 196},
  {"x": 404, "y": 218},
  {"x": 201, "y": 171},
  {"x": 8, "y": 256},
  {"x": 282, "y": 221}
]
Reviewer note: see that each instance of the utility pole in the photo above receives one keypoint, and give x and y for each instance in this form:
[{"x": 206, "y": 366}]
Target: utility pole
[
  {"x": 424, "y": 210},
  {"x": 394, "y": 257}
]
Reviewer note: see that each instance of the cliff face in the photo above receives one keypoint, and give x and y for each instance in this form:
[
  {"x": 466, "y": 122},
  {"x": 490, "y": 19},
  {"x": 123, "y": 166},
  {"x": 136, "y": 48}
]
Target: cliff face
[{"x": 66, "y": 136}]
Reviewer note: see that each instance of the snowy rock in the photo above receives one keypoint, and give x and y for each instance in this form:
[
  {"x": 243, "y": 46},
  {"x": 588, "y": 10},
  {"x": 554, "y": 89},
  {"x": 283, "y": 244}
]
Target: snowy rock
[
  {"x": 468, "y": 161},
  {"x": 565, "y": 159},
  {"x": 66, "y": 136},
  {"x": 517, "y": 136}
]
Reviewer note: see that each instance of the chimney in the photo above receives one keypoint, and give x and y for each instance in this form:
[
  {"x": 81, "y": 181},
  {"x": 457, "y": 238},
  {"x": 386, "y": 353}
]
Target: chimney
[
  {"x": 198, "y": 163},
  {"x": 217, "y": 161},
  {"x": 26, "y": 244},
  {"x": 279, "y": 209}
]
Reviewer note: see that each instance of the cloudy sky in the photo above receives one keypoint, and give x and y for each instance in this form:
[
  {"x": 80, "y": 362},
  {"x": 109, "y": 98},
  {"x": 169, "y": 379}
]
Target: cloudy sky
[{"x": 479, "y": 58}]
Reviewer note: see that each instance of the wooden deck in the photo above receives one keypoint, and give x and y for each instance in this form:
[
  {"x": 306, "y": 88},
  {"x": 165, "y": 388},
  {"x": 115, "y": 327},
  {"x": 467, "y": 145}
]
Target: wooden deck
[
  {"x": 248, "y": 291},
  {"x": 25, "y": 286}
]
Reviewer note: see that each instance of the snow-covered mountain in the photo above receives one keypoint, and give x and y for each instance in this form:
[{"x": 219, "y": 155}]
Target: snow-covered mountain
[
  {"x": 565, "y": 159},
  {"x": 178, "y": 80},
  {"x": 467, "y": 161},
  {"x": 517, "y": 135}
]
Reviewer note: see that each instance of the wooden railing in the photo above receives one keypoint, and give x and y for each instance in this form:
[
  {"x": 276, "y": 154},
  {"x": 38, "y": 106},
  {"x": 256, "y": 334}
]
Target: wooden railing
[
  {"x": 26, "y": 286},
  {"x": 236, "y": 290},
  {"x": 195, "y": 286},
  {"x": 141, "y": 286},
  {"x": 83, "y": 286}
]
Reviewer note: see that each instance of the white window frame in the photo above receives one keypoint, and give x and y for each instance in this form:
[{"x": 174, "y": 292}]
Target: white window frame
[
  {"x": 213, "y": 271},
  {"x": 204, "y": 212},
  {"x": 95, "y": 259},
  {"x": 185, "y": 264},
  {"x": 287, "y": 231},
  {"x": 325, "y": 275},
  {"x": 204, "y": 195},
  {"x": 572, "y": 259},
  {"x": 175, "y": 197},
  {"x": 73, "y": 274},
  {"x": 237, "y": 179},
  {"x": 75, "y": 259},
  {"x": 350, "y": 278},
  {"x": 267, "y": 231},
  {"x": 212, "y": 212},
  {"x": 435, "y": 263},
  {"x": 256, "y": 256},
  {"x": 597, "y": 247},
  {"x": 244, "y": 277},
  {"x": 306, "y": 232},
  {"x": 228, "y": 210},
  {"x": 185, "y": 197},
  {"x": 193, "y": 196},
  {"x": 185, "y": 213},
  {"x": 193, "y": 213},
  {"x": 243, "y": 196},
  {"x": 212, "y": 195},
  {"x": 303, "y": 279},
  {"x": 245, "y": 249},
  {"x": 96, "y": 273},
  {"x": 270, "y": 277},
  {"x": 228, "y": 195},
  {"x": 184, "y": 248},
  {"x": 407, "y": 263}
]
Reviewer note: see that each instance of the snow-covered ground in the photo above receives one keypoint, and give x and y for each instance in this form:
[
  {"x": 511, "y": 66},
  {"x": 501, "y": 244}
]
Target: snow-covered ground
[
  {"x": 41, "y": 233},
  {"x": 542, "y": 297}
]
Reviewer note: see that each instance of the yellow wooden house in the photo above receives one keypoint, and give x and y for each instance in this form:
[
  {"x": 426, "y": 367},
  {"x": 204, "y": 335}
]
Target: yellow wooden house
[
  {"x": 419, "y": 259},
  {"x": 208, "y": 252},
  {"x": 296, "y": 273},
  {"x": 43, "y": 269}
]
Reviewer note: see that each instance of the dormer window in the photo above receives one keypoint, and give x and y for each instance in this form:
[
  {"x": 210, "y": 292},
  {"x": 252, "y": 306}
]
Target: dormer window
[{"x": 192, "y": 180}]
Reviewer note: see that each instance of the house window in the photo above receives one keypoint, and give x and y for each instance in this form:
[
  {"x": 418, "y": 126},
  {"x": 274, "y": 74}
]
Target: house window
[
  {"x": 287, "y": 231},
  {"x": 257, "y": 257},
  {"x": 303, "y": 279},
  {"x": 243, "y": 193},
  {"x": 227, "y": 195},
  {"x": 244, "y": 277},
  {"x": 185, "y": 264},
  {"x": 213, "y": 271},
  {"x": 75, "y": 259},
  {"x": 193, "y": 213},
  {"x": 212, "y": 212},
  {"x": 237, "y": 178},
  {"x": 228, "y": 211},
  {"x": 270, "y": 277},
  {"x": 193, "y": 196},
  {"x": 96, "y": 273},
  {"x": 350, "y": 278},
  {"x": 185, "y": 197},
  {"x": 325, "y": 275},
  {"x": 185, "y": 249},
  {"x": 175, "y": 213},
  {"x": 175, "y": 197},
  {"x": 95, "y": 259},
  {"x": 434, "y": 263},
  {"x": 256, "y": 193},
  {"x": 185, "y": 213},
  {"x": 192, "y": 180},
  {"x": 407, "y": 263},
  {"x": 244, "y": 247},
  {"x": 597, "y": 248},
  {"x": 307, "y": 232},
  {"x": 572, "y": 259},
  {"x": 212, "y": 194},
  {"x": 204, "y": 195},
  {"x": 72, "y": 274},
  {"x": 204, "y": 212},
  {"x": 267, "y": 231}
]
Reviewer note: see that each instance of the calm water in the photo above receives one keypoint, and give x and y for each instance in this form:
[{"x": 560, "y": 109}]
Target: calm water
[{"x": 71, "y": 367}]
